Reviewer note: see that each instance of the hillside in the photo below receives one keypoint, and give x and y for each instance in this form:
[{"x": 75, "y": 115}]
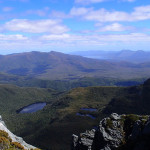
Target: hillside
[
  {"x": 64, "y": 85},
  {"x": 59, "y": 66},
  {"x": 68, "y": 112},
  {"x": 13, "y": 98},
  {"x": 99, "y": 98},
  {"x": 58, "y": 119}
]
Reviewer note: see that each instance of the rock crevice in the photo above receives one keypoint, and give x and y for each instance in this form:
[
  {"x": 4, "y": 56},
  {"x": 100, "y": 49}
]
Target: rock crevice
[{"x": 117, "y": 132}]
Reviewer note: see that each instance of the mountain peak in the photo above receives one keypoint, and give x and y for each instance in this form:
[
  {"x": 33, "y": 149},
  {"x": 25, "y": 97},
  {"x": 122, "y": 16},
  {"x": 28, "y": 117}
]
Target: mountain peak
[{"x": 56, "y": 53}]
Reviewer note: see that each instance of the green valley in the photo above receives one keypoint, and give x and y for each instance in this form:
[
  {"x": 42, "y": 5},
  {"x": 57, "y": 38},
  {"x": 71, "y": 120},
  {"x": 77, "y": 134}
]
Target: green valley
[
  {"x": 52, "y": 127},
  {"x": 70, "y": 86}
]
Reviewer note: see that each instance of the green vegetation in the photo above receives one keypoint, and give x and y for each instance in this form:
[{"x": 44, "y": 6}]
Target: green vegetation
[
  {"x": 59, "y": 66},
  {"x": 13, "y": 98},
  {"x": 109, "y": 123},
  {"x": 128, "y": 122},
  {"x": 7, "y": 144},
  {"x": 64, "y": 85},
  {"x": 58, "y": 119},
  {"x": 132, "y": 118},
  {"x": 46, "y": 72}
]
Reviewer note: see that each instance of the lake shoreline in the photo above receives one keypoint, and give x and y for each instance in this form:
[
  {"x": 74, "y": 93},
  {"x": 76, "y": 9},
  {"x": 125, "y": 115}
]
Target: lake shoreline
[{"x": 19, "y": 110}]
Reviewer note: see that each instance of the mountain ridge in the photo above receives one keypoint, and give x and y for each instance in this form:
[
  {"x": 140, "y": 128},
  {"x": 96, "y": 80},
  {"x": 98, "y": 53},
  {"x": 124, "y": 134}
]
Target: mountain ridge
[
  {"x": 138, "y": 56},
  {"x": 59, "y": 66}
]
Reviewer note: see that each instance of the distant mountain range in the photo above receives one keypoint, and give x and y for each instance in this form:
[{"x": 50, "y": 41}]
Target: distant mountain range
[
  {"x": 60, "y": 66},
  {"x": 124, "y": 55}
]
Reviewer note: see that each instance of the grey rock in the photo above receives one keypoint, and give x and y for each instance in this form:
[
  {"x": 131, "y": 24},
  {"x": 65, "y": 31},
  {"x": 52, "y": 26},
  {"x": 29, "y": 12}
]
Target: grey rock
[
  {"x": 112, "y": 136},
  {"x": 74, "y": 141},
  {"x": 1, "y": 120},
  {"x": 115, "y": 116},
  {"x": 109, "y": 136},
  {"x": 115, "y": 131},
  {"x": 15, "y": 138},
  {"x": 106, "y": 148}
]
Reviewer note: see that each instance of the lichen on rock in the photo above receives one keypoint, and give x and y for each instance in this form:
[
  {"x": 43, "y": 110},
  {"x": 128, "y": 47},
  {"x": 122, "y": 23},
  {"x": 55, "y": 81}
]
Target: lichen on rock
[
  {"x": 9, "y": 141},
  {"x": 117, "y": 132}
]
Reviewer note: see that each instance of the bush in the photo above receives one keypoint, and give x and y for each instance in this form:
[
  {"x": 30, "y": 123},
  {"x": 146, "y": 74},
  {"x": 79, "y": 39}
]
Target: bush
[
  {"x": 109, "y": 123},
  {"x": 17, "y": 145}
]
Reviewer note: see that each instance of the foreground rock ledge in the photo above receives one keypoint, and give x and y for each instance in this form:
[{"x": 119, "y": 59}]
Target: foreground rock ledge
[
  {"x": 10, "y": 141},
  {"x": 117, "y": 132}
]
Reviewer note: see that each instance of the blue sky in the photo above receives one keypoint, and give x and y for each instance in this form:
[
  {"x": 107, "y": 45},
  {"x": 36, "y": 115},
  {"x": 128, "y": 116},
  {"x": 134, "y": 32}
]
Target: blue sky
[{"x": 74, "y": 25}]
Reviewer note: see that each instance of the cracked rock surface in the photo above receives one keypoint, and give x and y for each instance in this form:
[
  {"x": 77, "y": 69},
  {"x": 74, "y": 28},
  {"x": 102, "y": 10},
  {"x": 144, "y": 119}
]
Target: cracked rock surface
[
  {"x": 15, "y": 138},
  {"x": 117, "y": 132}
]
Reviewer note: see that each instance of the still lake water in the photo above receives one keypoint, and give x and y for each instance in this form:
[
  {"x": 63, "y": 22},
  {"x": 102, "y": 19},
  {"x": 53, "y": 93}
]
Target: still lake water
[
  {"x": 89, "y": 109},
  {"x": 33, "y": 108},
  {"x": 87, "y": 115}
]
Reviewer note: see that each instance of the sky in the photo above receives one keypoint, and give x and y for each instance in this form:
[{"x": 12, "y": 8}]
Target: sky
[{"x": 74, "y": 25}]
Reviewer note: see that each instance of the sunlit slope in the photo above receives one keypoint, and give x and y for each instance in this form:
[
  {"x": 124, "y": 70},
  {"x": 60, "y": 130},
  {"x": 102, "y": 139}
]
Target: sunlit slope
[{"x": 55, "y": 65}]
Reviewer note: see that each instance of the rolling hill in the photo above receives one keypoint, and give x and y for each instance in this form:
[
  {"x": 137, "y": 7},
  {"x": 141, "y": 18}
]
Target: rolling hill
[
  {"x": 63, "y": 114},
  {"x": 59, "y": 66},
  {"x": 64, "y": 85},
  {"x": 52, "y": 127}
]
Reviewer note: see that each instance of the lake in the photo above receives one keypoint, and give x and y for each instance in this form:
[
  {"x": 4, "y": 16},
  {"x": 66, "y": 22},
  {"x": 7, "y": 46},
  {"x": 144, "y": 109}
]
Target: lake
[
  {"x": 89, "y": 109},
  {"x": 33, "y": 108},
  {"x": 87, "y": 115}
]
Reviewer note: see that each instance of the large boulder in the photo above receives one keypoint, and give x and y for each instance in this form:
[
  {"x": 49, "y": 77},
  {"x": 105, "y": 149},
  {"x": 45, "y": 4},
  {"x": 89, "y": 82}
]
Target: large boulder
[{"x": 117, "y": 131}]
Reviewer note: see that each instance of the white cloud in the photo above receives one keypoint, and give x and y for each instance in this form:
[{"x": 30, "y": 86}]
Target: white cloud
[
  {"x": 12, "y": 37},
  {"x": 85, "y": 2},
  {"x": 103, "y": 15},
  {"x": 54, "y": 37},
  {"x": 134, "y": 37},
  {"x": 35, "y": 26},
  {"x": 128, "y": 0},
  {"x": 39, "y": 12},
  {"x": 80, "y": 11},
  {"x": 96, "y": 38},
  {"x": 89, "y": 1},
  {"x": 71, "y": 41},
  {"x": 59, "y": 14},
  {"x": 7, "y": 9},
  {"x": 114, "y": 27}
]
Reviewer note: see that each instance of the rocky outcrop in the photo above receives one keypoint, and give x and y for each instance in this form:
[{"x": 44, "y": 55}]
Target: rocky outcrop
[
  {"x": 9, "y": 140},
  {"x": 123, "y": 132}
]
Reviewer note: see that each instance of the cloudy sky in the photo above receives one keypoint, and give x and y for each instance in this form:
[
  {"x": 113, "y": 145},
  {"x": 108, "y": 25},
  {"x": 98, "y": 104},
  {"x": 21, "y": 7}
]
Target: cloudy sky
[{"x": 74, "y": 25}]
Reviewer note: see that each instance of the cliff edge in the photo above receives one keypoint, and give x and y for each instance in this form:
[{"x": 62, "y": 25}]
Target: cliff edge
[{"x": 9, "y": 141}]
